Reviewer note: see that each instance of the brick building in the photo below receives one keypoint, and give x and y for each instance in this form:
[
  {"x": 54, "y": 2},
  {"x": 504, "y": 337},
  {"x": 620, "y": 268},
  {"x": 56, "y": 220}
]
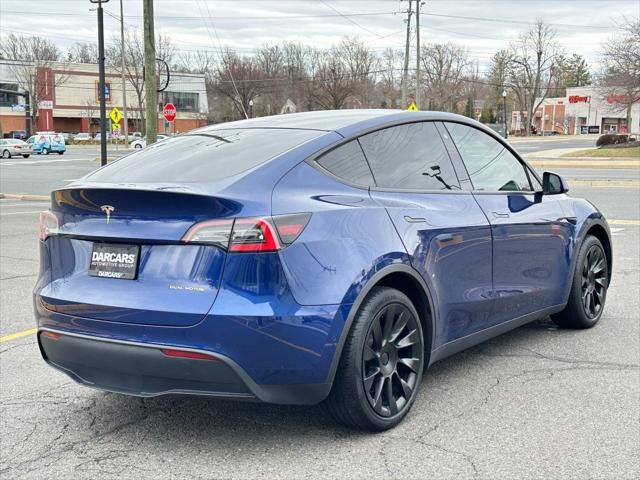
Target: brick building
[
  {"x": 68, "y": 98},
  {"x": 581, "y": 107}
]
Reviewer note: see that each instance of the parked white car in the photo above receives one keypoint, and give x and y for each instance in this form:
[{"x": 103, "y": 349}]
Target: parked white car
[{"x": 142, "y": 142}]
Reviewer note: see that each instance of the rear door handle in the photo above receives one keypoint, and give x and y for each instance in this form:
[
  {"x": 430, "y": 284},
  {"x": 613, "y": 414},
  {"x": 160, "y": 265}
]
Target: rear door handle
[
  {"x": 500, "y": 214},
  {"x": 411, "y": 219}
]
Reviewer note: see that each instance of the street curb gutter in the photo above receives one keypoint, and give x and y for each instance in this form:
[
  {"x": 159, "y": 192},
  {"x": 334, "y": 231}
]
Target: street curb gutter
[{"x": 25, "y": 197}]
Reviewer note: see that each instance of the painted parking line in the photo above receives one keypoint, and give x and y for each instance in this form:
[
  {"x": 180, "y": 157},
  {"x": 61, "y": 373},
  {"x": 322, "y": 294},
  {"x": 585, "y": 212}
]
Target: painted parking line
[
  {"x": 13, "y": 336},
  {"x": 19, "y": 213},
  {"x": 623, "y": 222}
]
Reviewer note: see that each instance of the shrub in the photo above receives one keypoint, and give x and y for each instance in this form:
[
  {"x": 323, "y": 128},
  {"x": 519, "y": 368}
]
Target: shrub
[{"x": 611, "y": 139}]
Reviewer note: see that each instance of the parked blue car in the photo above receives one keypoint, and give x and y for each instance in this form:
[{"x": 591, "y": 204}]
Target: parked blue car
[{"x": 323, "y": 256}]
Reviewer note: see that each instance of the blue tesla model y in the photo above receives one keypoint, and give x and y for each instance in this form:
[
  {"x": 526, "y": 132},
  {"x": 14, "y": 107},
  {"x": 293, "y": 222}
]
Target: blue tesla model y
[{"x": 323, "y": 256}]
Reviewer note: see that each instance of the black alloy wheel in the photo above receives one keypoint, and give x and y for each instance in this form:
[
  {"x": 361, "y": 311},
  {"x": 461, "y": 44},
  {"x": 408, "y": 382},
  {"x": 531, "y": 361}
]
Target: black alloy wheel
[
  {"x": 588, "y": 293},
  {"x": 594, "y": 281},
  {"x": 381, "y": 363},
  {"x": 391, "y": 359}
]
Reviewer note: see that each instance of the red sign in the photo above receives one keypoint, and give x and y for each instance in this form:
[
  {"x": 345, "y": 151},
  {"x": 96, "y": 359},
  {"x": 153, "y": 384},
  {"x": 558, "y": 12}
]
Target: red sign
[
  {"x": 617, "y": 99},
  {"x": 169, "y": 112},
  {"x": 578, "y": 99}
]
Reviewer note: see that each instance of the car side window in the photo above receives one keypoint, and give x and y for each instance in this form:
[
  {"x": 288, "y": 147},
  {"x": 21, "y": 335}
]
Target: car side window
[
  {"x": 348, "y": 163},
  {"x": 410, "y": 156},
  {"x": 491, "y": 166}
]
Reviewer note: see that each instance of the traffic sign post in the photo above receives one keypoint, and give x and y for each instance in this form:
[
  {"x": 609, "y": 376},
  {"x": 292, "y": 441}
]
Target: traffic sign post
[
  {"x": 169, "y": 112},
  {"x": 115, "y": 115}
]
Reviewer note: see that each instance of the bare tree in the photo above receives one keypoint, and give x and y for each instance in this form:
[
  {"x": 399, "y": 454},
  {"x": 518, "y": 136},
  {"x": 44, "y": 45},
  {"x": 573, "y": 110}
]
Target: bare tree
[
  {"x": 240, "y": 79},
  {"x": 134, "y": 65},
  {"x": 391, "y": 75},
  {"x": 29, "y": 53},
  {"x": 331, "y": 82},
  {"x": 445, "y": 66},
  {"x": 361, "y": 63},
  {"x": 531, "y": 67},
  {"x": 621, "y": 77},
  {"x": 83, "y": 52}
]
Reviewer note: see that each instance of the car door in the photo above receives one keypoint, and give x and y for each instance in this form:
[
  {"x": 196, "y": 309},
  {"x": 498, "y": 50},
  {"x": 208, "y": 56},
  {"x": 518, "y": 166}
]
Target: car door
[
  {"x": 530, "y": 232},
  {"x": 446, "y": 234}
]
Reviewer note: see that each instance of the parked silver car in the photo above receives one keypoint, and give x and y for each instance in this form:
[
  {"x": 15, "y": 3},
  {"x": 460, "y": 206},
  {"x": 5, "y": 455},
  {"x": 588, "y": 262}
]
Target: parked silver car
[
  {"x": 12, "y": 147},
  {"x": 142, "y": 142}
]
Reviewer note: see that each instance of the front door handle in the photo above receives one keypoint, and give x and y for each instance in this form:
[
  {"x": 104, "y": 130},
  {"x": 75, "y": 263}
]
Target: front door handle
[
  {"x": 500, "y": 214},
  {"x": 411, "y": 219}
]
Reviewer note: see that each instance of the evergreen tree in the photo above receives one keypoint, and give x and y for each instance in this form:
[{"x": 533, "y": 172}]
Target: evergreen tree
[{"x": 468, "y": 108}]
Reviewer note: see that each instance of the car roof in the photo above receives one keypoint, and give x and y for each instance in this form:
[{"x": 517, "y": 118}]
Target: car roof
[{"x": 344, "y": 122}]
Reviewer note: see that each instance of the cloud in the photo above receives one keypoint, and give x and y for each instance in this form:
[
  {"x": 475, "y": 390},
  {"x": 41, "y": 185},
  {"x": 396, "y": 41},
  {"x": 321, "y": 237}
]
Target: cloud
[{"x": 247, "y": 24}]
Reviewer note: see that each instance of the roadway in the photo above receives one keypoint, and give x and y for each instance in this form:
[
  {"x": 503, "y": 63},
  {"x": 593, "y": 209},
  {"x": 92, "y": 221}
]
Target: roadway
[{"x": 538, "y": 402}]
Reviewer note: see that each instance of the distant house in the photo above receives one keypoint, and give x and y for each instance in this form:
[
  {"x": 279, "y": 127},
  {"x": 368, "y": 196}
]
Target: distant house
[{"x": 289, "y": 107}]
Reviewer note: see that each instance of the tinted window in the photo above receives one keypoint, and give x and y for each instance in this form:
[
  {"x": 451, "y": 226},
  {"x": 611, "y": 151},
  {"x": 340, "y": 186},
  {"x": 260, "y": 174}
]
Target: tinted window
[
  {"x": 202, "y": 156},
  {"x": 409, "y": 157},
  {"x": 348, "y": 162},
  {"x": 490, "y": 165}
]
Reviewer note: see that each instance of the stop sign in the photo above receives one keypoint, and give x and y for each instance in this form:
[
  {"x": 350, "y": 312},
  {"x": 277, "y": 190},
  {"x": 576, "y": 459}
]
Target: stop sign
[{"x": 169, "y": 112}]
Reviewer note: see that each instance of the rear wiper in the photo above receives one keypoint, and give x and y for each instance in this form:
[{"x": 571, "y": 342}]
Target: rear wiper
[{"x": 222, "y": 139}]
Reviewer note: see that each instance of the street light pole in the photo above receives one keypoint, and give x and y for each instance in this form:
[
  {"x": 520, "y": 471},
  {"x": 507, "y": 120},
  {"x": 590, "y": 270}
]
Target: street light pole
[
  {"x": 124, "y": 87},
  {"x": 250, "y": 108},
  {"x": 504, "y": 104},
  {"x": 101, "y": 89}
]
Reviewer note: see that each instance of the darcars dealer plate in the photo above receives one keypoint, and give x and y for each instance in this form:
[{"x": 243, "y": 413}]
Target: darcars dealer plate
[{"x": 114, "y": 261}]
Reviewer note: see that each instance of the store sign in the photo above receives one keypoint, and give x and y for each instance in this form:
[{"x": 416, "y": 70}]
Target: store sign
[
  {"x": 107, "y": 91},
  {"x": 617, "y": 99},
  {"x": 17, "y": 108},
  {"x": 579, "y": 99},
  {"x": 584, "y": 129},
  {"x": 45, "y": 104}
]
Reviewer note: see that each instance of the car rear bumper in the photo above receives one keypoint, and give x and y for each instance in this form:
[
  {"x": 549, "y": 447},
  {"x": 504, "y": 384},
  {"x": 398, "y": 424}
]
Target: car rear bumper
[{"x": 144, "y": 370}]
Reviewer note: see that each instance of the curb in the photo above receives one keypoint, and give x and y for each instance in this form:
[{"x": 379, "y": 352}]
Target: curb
[{"x": 25, "y": 197}]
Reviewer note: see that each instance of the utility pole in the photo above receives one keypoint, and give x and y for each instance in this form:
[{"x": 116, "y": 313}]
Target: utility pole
[
  {"x": 124, "y": 87},
  {"x": 150, "y": 84},
  {"x": 418, "y": 76},
  {"x": 101, "y": 89},
  {"x": 405, "y": 70}
]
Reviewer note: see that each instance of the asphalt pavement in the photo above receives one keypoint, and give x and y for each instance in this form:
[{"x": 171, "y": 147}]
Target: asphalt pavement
[{"x": 538, "y": 402}]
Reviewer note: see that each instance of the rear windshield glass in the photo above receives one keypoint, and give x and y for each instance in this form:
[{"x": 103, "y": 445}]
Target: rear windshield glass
[{"x": 202, "y": 156}]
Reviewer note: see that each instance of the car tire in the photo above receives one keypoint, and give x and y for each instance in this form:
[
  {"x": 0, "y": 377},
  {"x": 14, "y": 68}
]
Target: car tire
[
  {"x": 45, "y": 151},
  {"x": 6, "y": 154},
  {"x": 381, "y": 366},
  {"x": 60, "y": 153},
  {"x": 588, "y": 288},
  {"x": 26, "y": 156},
  {"x": 138, "y": 146}
]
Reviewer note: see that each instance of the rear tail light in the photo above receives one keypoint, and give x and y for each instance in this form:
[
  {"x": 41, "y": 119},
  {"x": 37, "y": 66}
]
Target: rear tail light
[
  {"x": 210, "y": 232},
  {"x": 48, "y": 224},
  {"x": 259, "y": 234}
]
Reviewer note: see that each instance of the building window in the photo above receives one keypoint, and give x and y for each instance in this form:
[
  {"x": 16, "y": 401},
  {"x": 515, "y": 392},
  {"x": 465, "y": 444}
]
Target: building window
[
  {"x": 7, "y": 99},
  {"x": 183, "y": 101}
]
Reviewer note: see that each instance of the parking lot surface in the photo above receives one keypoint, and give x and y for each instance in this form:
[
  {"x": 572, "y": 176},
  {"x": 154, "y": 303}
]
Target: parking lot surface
[{"x": 538, "y": 402}]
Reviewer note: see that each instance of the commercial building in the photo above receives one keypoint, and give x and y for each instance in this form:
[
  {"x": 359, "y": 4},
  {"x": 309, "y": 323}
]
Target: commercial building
[
  {"x": 581, "y": 110},
  {"x": 67, "y": 98}
]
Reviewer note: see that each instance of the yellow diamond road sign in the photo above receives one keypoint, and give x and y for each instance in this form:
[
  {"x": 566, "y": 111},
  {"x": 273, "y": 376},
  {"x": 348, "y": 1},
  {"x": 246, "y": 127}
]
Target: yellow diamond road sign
[
  {"x": 413, "y": 107},
  {"x": 115, "y": 115}
]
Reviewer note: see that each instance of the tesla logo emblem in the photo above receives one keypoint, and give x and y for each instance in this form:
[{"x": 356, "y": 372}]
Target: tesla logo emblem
[{"x": 107, "y": 209}]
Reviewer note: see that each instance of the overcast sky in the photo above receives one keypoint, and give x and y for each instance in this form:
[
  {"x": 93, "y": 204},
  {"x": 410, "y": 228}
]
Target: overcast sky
[{"x": 246, "y": 24}]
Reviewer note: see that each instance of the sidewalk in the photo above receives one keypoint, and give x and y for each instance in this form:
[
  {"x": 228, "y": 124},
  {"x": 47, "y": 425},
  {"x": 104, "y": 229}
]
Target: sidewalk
[{"x": 554, "y": 158}]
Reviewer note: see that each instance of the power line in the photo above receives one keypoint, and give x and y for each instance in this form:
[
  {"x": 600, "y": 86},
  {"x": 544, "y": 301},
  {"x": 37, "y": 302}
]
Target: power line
[{"x": 346, "y": 17}]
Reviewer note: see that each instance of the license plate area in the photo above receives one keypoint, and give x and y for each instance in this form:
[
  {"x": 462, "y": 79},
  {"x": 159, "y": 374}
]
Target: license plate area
[{"x": 114, "y": 260}]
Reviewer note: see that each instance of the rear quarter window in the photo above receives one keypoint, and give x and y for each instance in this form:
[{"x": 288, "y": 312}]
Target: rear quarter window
[
  {"x": 203, "y": 156},
  {"x": 348, "y": 163}
]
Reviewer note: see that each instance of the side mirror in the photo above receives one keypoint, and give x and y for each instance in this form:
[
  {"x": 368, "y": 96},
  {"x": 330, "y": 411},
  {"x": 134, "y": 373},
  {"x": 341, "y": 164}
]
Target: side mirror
[{"x": 553, "y": 184}]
